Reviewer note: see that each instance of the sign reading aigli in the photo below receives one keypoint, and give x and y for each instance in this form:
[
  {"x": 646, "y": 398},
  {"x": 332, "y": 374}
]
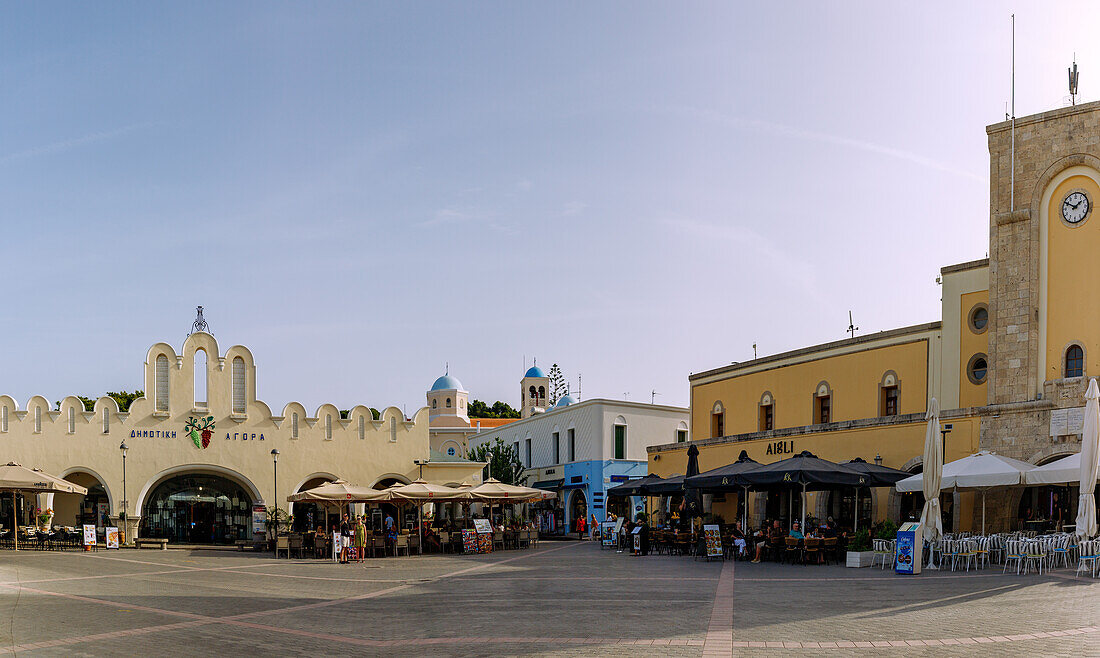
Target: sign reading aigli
[{"x": 781, "y": 448}]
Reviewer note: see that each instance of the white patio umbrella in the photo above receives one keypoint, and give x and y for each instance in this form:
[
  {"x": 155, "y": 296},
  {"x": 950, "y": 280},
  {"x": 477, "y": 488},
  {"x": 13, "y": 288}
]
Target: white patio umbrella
[
  {"x": 17, "y": 478},
  {"x": 422, "y": 492},
  {"x": 1066, "y": 470},
  {"x": 981, "y": 471},
  {"x": 1090, "y": 436}
]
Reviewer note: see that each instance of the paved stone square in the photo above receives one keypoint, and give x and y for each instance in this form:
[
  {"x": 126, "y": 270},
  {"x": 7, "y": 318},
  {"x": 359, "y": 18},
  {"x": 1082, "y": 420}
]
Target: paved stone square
[{"x": 559, "y": 599}]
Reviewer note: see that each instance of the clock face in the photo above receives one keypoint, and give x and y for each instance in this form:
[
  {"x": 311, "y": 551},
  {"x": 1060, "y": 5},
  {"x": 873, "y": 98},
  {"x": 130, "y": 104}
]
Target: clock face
[{"x": 1075, "y": 207}]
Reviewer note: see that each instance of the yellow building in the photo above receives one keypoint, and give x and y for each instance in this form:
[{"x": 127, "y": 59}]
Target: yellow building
[{"x": 1008, "y": 361}]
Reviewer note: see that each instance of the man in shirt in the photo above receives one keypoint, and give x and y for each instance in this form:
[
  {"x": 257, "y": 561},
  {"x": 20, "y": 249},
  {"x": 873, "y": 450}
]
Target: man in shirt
[
  {"x": 796, "y": 531},
  {"x": 345, "y": 539}
]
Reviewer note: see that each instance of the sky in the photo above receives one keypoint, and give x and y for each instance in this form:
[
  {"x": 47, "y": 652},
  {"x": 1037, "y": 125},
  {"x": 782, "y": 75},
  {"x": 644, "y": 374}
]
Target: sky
[{"x": 363, "y": 193}]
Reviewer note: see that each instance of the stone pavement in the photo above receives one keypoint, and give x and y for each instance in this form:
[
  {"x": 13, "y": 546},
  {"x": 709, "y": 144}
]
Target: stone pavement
[{"x": 560, "y": 599}]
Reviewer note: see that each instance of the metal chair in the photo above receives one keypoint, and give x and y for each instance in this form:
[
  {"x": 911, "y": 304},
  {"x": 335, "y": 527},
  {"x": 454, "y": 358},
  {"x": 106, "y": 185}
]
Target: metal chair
[
  {"x": 401, "y": 543},
  {"x": 282, "y": 543}
]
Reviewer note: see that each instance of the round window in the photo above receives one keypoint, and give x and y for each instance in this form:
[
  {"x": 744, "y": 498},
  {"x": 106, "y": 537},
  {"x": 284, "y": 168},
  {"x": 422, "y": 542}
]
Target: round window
[
  {"x": 977, "y": 369},
  {"x": 979, "y": 318},
  {"x": 450, "y": 452}
]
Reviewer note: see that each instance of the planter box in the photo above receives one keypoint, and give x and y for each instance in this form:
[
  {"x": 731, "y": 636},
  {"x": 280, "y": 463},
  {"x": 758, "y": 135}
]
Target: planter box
[{"x": 860, "y": 558}]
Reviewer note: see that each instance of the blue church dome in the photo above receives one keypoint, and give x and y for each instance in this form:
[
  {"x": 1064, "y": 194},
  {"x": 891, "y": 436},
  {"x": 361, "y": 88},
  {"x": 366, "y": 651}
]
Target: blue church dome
[
  {"x": 565, "y": 401},
  {"x": 535, "y": 371},
  {"x": 446, "y": 383}
]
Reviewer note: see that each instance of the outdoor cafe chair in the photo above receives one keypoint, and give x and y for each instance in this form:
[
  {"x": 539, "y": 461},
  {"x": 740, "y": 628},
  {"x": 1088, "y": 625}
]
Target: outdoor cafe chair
[
  {"x": 414, "y": 544},
  {"x": 1059, "y": 550},
  {"x": 295, "y": 546},
  {"x": 282, "y": 543},
  {"x": 401, "y": 544},
  {"x": 1034, "y": 554},
  {"x": 829, "y": 549},
  {"x": 1014, "y": 552},
  {"x": 1087, "y": 558},
  {"x": 498, "y": 539},
  {"x": 523, "y": 539},
  {"x": 882, "y": 549},
  {"x": 811, "y": 552},
  {"x": 965, "y": 551},
  {"x": 444, "y": 540},
  {"x": 792, "y": 552}
]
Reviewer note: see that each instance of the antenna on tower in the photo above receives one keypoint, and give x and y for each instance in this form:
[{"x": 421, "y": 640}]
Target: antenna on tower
[
  {"x": 852, "y": 328},
  {"x": 652, "y": 395},
  {"x": 1012, "y": 171},
  {"x": 1073, "y": 81},
  {"x": 199, "y": 324},
  {"x": 578, "y": 387},
  {"x": 754, "y": 350}
]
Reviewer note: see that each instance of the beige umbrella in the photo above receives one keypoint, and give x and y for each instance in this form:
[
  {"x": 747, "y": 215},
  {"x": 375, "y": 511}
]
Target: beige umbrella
[
  {"x": 1090, "y": 437},
  {"x": 495, "y": 491},
  {"x": 932, "y": 474},
  {"x": 17, "y": 478},
  {"x": 424, "y": 492},
  {"x": 339, "y": 493}
]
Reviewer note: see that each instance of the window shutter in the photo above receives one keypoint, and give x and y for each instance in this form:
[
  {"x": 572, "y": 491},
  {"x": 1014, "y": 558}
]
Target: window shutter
[
  {"x": 4, "y": 419},
  {"x": 106, "y": 421},
  {"x": 162, "y": 383},
  {"x": 72, "y": 420},
  {"x": 362, "y": 428},
  {"x": 294, "y": 425},
  {"x": 238, "y": 385},
  {"x": 38, "y": 419},
  {"x": 328, "y": 426}
]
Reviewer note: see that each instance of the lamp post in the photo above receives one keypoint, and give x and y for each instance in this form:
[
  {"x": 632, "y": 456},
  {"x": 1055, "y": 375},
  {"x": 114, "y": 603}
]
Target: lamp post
[
  {"x": 878, "y": 460},
  {"x": 944, "y": 431},
  {"x": 275, "y": 487},
  {"x": 125, "y": 503}
]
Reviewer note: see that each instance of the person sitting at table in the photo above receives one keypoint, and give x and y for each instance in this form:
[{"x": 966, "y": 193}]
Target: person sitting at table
[
  {"x": 774, "y": 532},
  {"x": 738, "y": 536},
  {"x": 796, "y": 531},
  {"x": 828, "y": 529}
]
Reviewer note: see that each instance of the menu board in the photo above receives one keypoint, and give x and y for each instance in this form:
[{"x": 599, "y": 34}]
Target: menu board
[
  {"x": 89, "y": 534},
  {"x": 607, "y": 533},
  {"x": 713, "y": 539},
  {"x": 469, "y": 541},
  {"x": 638, "y": 539},
  {"x": 484, "y": 542},
  {"x": 483, "y": 526},
  {"x": 259, "y": 520},
  {"x": 112, "y": 537}
]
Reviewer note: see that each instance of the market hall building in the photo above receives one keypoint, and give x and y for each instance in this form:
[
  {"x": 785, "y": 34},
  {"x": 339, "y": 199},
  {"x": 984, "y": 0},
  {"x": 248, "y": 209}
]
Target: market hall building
[
  {"x": 1009, "y": 359},
  {"x": 199, "y": 449}
]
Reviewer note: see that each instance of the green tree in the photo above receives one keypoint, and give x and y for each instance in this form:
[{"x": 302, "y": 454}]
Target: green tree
[
  {"x": 375, "y": 413},
  {"x": 124, "y": 398},
  {"x": 558, "y": 386},
  {"x": 503, "y": 460},
  {"x": 478, "y": 409}
]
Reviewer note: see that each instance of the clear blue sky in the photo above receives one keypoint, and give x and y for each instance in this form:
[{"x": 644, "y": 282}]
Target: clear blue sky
[{"x": 361, "y": 192}]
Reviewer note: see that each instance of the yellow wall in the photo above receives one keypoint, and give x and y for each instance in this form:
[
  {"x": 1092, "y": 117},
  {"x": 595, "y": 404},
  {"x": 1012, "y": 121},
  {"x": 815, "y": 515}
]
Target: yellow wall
[
  {"x": 970, "y": 343},
  {"x": 854, "y": 379},
  {"x": 1073, "y": 299}
]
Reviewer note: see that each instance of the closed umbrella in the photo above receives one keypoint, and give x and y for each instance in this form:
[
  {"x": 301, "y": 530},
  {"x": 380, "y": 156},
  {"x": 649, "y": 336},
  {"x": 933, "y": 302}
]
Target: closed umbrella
[
  {"x": 1086, "y": 503},
  {"x": 693, "y": 501},
  {"x": 932, "y": 475}
]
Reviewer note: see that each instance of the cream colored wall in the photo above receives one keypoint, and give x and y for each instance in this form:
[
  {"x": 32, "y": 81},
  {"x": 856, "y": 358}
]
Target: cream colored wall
[
  {"x": 853, "y": 377},
  {"x": 970, "y": 343},
  {"x": 1071, "y": 302},
  {"x": 388, "y": 448}
]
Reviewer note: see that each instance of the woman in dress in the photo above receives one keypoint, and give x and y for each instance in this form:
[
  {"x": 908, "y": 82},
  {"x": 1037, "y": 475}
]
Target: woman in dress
[{"x": 360, "y": 539}]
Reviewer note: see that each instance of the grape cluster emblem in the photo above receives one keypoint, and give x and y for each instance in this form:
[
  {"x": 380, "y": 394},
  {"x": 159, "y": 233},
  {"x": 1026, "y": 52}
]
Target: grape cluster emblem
[{"x": 200, "y": 429}]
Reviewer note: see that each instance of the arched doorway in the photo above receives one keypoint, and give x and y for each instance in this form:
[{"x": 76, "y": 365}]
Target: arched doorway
[
  {"x": 197, "y": 508},
  {"x": 308, "y": 516},
  {"x": 578, "y": 509},
  {"x": 88, "y": 509},
  {"x": 377, "y": 518}
]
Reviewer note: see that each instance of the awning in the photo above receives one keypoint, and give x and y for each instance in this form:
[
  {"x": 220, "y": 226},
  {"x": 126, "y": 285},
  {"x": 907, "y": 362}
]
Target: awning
[{"x": 548, "y": 484}]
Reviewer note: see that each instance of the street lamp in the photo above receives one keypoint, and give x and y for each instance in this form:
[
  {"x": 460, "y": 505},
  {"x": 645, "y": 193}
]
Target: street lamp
[
  {"x": 275, "y": 465},
  {"x": 125, "y": 504},
  {"x": 878, "y": 460}
]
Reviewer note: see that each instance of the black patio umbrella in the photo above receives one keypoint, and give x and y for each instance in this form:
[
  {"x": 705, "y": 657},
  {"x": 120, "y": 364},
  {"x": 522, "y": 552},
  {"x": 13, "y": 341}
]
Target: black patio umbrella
[
  {"x": 635, "y": 487},
  {"x": 880, "y": 476},
  {"x": 663, "y": 487},
  {"x": 806, "y": 472},
  {"x": 724, "y": 478}
]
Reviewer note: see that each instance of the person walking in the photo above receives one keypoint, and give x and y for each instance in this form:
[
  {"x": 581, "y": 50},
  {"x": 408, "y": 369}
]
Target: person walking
[
  {"x": 580, "y": 528},
  {"x": 360, "y": 539}
]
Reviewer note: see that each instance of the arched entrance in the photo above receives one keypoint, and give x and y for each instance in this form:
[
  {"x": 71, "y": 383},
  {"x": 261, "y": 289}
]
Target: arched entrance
[
  {"x": 308, "y": 516},
  {"x": 578, "y": 508},
  {"x": 197, "y": 508},
  {"x": 377, "y": 518},
  {"x": 88, "y": 509}
]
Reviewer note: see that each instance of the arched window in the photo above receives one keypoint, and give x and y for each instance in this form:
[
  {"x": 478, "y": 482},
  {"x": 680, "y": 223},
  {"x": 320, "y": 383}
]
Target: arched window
[
  {"x": 362, "y": 428},
  {"x": 162, "y": 383},
  {"x": 106, "y": 421},
  {"x": 294, "y": 425},
  {"x": 328, "y": 426},
  {"x": 238, "y": 385},
  {"x": 200, "y": 379},
  {"x": 823, "y": 403},
  {"x": 72, "y": 420},
  {"x": 542, "y": 392},
  {"x": 718, "y": 420},
  {"x": 448, "y": 403},
  {"x": 435, "y": 404},
  {"x": 1075, "y": 361},
  {"x": 766, "y": 416},
  {"x": 37, "y": 419},
  {"x": 534, "y": 393},
  {"x": 4, "y": 419}
]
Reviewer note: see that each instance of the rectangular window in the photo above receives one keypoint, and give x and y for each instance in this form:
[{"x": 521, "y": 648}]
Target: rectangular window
[
  {"x": 767, "y": 417},
  {"x": 681, "y": 436},
  {"x": 557, "y": 449},
  {"x": 572, "y": 445},
  {"x": 72, "y": 420},
  {"x": 362, "y": 427},
  {"x": 889, "y": 400},
  {"x": 4, "y": 419},
  {"x": 527, "y": 449},
  {"x": 328, "y": 427},
  {"x": 718, "y": 424},
  {"x": 294, "y": 425},
  {"x": 106, "y": 421},
  {"x": 620, "y": 442},
  {"x": 37, "y": 419},
  {"x": 824, "y": 407}
]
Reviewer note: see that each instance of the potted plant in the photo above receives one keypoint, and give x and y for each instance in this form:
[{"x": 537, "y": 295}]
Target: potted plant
[{"x": 859, "y": 550}]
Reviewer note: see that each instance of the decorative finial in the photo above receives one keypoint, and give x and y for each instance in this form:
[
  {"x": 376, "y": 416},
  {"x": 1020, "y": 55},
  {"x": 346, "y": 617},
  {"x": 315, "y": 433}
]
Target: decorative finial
[
  {"x": 447, "y": 368},
  {"x": 199, "y": 324}
]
